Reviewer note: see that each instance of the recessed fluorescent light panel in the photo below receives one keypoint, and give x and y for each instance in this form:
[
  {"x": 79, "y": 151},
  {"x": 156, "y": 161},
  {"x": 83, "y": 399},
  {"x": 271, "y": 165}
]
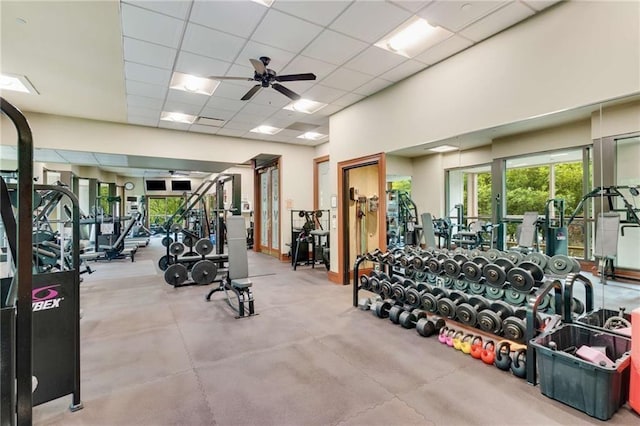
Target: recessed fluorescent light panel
[
  {"x": 306, "y": 106},
  {"x": 266, "y": 3},
  {"x": 192, "y": 84},
  {"x": 17, "y": 83},
  {"x": 444, "y": 148},
  {"x": 312, "y": 136},
  {"x": 413, "y": 37},
  {"x": 177, "y": 117},
  {"x": 266, "y": 130}
]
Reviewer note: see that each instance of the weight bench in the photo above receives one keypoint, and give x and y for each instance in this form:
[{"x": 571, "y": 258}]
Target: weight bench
[{"x": 236, "y": 284}]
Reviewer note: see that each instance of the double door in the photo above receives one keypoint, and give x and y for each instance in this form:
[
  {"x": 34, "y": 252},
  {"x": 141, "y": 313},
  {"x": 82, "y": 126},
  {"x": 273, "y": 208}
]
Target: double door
[{"x": 269, "y": 178}]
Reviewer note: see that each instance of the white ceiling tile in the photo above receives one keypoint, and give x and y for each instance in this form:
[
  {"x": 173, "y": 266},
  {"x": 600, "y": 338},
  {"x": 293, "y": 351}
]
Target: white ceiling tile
[
  {"x": 231, "y": 132},
  {"x": 234, "y": 17},
  {"x": 284, "y": 117},
  {"x": 319, "y": 12},
  {"x": 299, "y": 86},
  {"x": 375, "y": 61},
  {"x": 455, "y": 14},
  {"x": 348, "y": 99},
  {"x": 256, "y": 117},
  {"x": 373, "y": 86},
  {"x": 195, "y": 99},
  {"x": 177, "y": 8},
  {"x": 328, "y": 110},
  {"x": 199, "y": 128},
  {"x": 443, "y": 50},
  {"x": 370, "y": 20},
  {"x": 144, "y": 112},
  {"x": 211, "y": 43},
  {"x": 145, "y": 102},
  {"x": 285, "y": 32},
  {"x": 254, "y": 50},
  {"x": 225, "y": 103},
  {"x": 411, "y": 5},
  {"x": 259, "y": 109},
  {"x": 540, "y": 4},
  {"x": 334, "y": 48},
  {"x": 146, "y": 74},
  {"x": 303, "y": 64},
  {"x": 174, "y": 106},
  {"x": 327, "y": 95},
  {"x": 238, "y": 70},
  {"x": 240, "y": 125},
  {"x": 173, "y": 125},
  {"x": 201, "y": 66},
  {"x": 497, "y": 21},
  {"x": 219, "y": 113},
  {"x": 142, "y": 52},
  {"x": 150, "y": 26},
  {"x": 143, "y": 121},
  {"x": 270, "y": 97},
  {"x": 233, "y": 91},
  {"x": 345, "y": 79},
  {"x": 144, "y": 89},
  {"x": 403, "y": 70}
]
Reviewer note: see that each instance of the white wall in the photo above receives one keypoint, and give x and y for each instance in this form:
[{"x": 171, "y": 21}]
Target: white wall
[
  {"x": 616, "y": 120},
  {"x": 398, "y": 166},
  {"x": 322, "y": 150}
]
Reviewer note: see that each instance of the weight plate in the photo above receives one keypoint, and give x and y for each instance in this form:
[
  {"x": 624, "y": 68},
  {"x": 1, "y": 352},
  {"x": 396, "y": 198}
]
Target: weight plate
[
  {"x": 176, "y": 227},
  {"x": 537, "y": 258},
  {"x": 560, "y": 265},
  {"x": 493, "y": 254},
  {"x": 429, "y": 302},
  {"x": 514, "y": 256},
  {"x": 399, "y": 292},
  {"x": 489, "y": 321},
  {"x": 472, "y": 271},
  {"x": 167, "y": 241},
  {"x": 545, "y": 303},
  {"x": 407, "y": 319},
  {"x": 176, "y": 248},
  {"x": 375, "y": 285},
  {"x": 382, "y": 309},
  {"x": 495, "y": 275},
  {"x": 175, "y": 274},
  {"x": 513, "y": 328},
  {"x": 434, "y": 265},
  {"x": 475, "y": 288},
  {"x": 461, "y": 285},
  {"x": 494, "y": 293},
  {"x": 431, "y": 278},
  {"x": 413, "y": 298},
  {"x": 447, "y": 308},
  {"x": 475, "y": 253},
  {"x": 520, "y": 279},
  {"x": 385, "y": 289},
  {"x": 515, "y": 297},
  {"x": 420, "y": 276},
  {"x": 394, "y": 314},
  {"x": 576, "y": 266},
  {"x": 365, "y": 284},
  {"x": 204, "y": 272},
  {"x": 425, "y": 327},
  {"x": 451, "y": 268},
  {"x": 447, "y": 282},
  {"x": 203, "y": 246},
  {"x": 467, "y": 314},
  {"x": 163, "y": 263}
]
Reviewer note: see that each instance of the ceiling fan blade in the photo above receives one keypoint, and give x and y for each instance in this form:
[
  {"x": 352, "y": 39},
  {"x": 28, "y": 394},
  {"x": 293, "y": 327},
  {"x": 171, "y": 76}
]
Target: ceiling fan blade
[
  {"x": 251, "y": 92},
  {"x": 287, "y": 92},
  {"x": 219, "y": 77},
  {"x": 259, "y": 66},
  {"x": 296, "y": 77}
]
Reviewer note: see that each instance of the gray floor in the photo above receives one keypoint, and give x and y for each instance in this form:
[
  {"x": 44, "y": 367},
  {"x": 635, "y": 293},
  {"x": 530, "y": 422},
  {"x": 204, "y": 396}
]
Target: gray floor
[{"x": 154, "y": 355}]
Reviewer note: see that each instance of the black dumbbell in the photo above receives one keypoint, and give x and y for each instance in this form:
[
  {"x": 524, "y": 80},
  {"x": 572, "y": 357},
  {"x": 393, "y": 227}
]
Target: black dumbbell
[
  {"x": 515, "y": 327},
  {"x": 430, "y": 300},
  {"x": 420, "y": 261},
  {"x": 408, "y": 319},
  {"x": 365, "y": 282},
  {"x": 382, "y": 307},
  {"x": 435, "y": 263},
  {"x": 525, "y": 276},
  {"x": 399, "y": 289},
  {"x": 447, "y": 305},
  {"x": 373, "y": 255},
  {"x": 413, "y": 298},
  {"x": 406, "y": 260},
  {"x": 490, "y": 320},
  {"x": 472, "y": 269},
  {"x": 394, "y": 313},
  {"x": 495, "y": 274},
  {"x": 429, "y": 326},
  {"x": 453, "y": 265},
  {"x": 467, "y": 313}
]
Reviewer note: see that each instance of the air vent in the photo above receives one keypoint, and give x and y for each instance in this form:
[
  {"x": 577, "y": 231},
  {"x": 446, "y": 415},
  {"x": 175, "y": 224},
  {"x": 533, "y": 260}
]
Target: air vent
[
  {"x": 302, "y": 127},
  {"x": 209, "y": 121}
]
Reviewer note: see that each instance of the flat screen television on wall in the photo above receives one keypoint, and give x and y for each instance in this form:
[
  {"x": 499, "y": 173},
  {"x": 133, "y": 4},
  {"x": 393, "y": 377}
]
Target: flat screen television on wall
[
  {"x": 181, "y": 185},
  {"x": 156, "y": 185}
]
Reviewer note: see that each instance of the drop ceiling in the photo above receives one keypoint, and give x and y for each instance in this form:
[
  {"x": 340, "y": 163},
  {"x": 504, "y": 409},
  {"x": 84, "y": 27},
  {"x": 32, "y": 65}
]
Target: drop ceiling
[{"x": 110, "y": 61}]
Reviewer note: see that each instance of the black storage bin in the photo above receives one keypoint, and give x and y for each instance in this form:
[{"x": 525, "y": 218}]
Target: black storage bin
[
  {"x": 596, "y": 390},
  {"x": 599, "y": 318}
]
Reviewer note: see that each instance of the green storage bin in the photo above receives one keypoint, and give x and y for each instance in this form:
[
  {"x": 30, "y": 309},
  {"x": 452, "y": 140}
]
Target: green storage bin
[{"x": 596, "y": 390}]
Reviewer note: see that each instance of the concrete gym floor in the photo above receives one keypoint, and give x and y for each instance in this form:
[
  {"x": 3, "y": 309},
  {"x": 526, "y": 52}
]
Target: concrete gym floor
[{"x": 155, "y": 355}]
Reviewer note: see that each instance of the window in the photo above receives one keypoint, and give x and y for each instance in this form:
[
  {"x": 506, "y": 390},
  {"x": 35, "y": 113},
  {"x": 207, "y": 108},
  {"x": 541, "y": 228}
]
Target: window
[
  {"x": 161, "y": 209},
  {"x": 470, "y": 188}
]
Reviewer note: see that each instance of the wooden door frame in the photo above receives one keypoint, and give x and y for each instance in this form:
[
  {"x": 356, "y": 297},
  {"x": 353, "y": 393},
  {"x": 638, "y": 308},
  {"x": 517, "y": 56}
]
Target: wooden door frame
[
  {"x": 316, "y": 163},
  {"x": 343, "y": 275},
  {"x": 257, "y": 210}
]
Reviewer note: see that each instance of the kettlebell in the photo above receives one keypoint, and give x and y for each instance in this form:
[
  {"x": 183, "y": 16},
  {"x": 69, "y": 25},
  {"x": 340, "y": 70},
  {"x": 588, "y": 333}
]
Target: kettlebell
[
  {"x": 457, "y": 340},
  {"x": 465, "y": 345},
  {"x": 503, "y": 358},
  {"x": 450, "y": 334},
  {"x": 519, "y": 363},
  {"x": 488, "y": 354},
  {"x": 442, "y": 336},
  {"x": 476, "y": 347}
]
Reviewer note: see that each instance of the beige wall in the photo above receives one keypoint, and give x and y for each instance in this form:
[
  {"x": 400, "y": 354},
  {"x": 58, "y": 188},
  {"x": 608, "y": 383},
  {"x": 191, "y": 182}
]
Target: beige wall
[
  {"x": 398, "y": 166},
  {"x": 616, "y": 120}
]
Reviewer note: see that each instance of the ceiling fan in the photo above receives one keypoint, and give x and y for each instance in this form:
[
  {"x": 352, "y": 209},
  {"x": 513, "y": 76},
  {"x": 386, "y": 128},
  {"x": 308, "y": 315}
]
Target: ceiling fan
[{"x": 268, "y": 77}]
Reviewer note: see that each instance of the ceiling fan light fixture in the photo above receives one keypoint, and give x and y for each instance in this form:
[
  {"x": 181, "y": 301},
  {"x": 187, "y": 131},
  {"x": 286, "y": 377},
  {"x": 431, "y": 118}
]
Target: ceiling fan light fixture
[
  {"x": 177, "y": 117},
  {"x": 413, "y": 37},
  {"x": 306, "y": 106},
  {"x": 193, "y": 84},
  {"x": 265, "y": 130},
  {"x": 16, "y": 83},
  {"x": 312, "y": 136}
]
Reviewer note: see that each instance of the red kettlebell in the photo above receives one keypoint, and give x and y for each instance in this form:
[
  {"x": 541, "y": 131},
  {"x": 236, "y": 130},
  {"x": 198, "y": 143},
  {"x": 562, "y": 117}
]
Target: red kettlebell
[
  {"x": 488, "y": 354},
  {"x": 442, "y": 336},
  {"x": 476, "y": 347}
]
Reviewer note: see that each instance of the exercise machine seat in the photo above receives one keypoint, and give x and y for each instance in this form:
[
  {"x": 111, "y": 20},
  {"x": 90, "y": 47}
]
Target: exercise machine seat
[{"x": 241, "y": 283}]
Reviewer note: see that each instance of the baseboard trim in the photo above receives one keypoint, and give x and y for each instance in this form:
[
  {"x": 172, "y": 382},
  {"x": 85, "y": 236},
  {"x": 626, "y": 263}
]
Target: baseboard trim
[{"x": 334, "y": 277}]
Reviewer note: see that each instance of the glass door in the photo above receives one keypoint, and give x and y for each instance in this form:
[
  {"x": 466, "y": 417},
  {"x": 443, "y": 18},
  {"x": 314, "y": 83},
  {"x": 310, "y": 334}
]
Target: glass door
[{"x": 270, "y": 210}]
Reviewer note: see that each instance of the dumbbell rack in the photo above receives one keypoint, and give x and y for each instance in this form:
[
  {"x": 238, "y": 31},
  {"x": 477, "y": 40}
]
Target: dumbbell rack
[{"x": 535, "y": 299}]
